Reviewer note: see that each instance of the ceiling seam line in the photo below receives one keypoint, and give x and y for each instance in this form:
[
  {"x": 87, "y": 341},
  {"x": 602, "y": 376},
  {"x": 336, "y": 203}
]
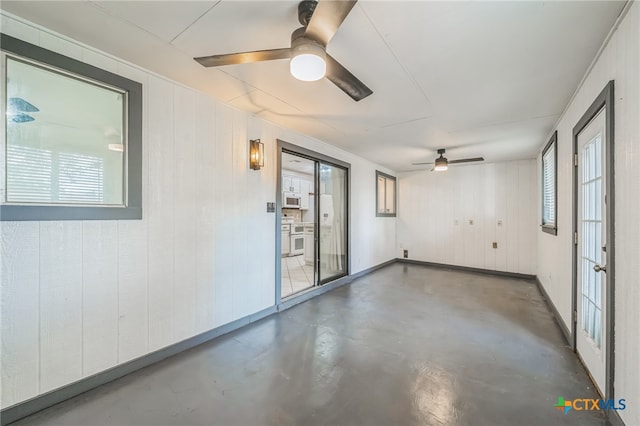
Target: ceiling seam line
[
  {"x": 406, "y": 121},
  {"x": 193, "y": 23},
  {"x": 406, "y": 71},
  {"x": 120, "y": 18}
]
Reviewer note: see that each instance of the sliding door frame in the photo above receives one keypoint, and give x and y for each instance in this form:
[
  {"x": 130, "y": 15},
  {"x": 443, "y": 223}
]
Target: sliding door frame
[{"x": 286, "y": 147}]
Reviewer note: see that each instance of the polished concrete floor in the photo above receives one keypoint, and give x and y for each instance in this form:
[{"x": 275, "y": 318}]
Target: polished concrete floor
[{"x": 406, "y": 345}]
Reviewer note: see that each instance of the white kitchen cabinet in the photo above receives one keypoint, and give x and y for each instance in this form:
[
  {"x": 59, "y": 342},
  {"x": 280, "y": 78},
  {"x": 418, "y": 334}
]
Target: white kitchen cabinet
[
  {"x": 290, "y": 184},
  {"x": 286, "y": 184},
  {"x": 295, "y": 184},
  {"x": 305, "y": 189}
]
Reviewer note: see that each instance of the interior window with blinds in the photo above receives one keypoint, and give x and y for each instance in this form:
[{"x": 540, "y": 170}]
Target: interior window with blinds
[
  {"x": 385, "y": 195},
  {"x": 549, "y": 197},
  {"x": 65, "y": 143}
]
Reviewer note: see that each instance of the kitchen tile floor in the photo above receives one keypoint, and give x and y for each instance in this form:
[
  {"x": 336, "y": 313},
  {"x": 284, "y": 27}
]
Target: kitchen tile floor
[{"x": 296, "y": 276}]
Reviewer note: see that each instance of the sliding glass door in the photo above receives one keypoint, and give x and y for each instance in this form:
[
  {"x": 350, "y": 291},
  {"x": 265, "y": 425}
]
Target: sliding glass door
[
  {"x": 332, "y": 227},
  {"x": 313, "y": 220}
]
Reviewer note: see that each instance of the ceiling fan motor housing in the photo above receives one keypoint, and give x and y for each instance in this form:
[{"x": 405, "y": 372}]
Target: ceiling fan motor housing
[
  {"x": 305, "y": 11},
  {"x": 441, "y": 162},
  {"x": 308, "y": 57},
  {"x": 300, "y": 42}
]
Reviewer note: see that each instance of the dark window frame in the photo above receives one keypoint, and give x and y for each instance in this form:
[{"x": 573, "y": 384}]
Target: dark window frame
[
  {"x": 395, "y": 192},
  {"x": 550, "y": 228},
  {"x": 133, "y": 171}
]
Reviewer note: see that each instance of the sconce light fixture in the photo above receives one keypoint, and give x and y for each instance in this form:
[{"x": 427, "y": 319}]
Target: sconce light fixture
[{"x": 256, "y": 154}]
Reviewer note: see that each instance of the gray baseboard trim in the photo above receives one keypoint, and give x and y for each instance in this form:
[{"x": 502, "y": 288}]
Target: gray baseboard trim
[
  {"x": 614, "y": 418},
  {"x": 373, "y": 268},
  {"x": 554, "y": 311},
  {"x": 468, "y": 269},
  {"x": 40, "y": 402}
]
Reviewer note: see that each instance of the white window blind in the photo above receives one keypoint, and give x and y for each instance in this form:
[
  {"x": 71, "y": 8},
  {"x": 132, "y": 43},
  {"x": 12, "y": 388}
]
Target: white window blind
[
  {"x": 29, "y": 174},
  {"x": 38, "y": 175},
  {"x": 549, "y": 186},
  {"x": 81, "y": 178}
]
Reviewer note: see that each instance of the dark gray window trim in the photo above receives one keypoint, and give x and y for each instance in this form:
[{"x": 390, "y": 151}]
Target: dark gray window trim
[
  {"x": 133, "y": 209},
  {"x": 550, "y": 229},
  {"x": 395, "y": 194},
  {"x": 604, "y": 100}
]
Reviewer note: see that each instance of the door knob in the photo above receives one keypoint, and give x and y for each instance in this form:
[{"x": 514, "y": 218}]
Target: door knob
[{"x": 599, "y": 268}]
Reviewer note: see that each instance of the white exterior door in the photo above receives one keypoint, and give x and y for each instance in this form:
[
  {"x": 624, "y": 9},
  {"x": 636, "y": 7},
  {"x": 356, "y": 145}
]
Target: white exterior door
[{"x": 591, "y": 259}]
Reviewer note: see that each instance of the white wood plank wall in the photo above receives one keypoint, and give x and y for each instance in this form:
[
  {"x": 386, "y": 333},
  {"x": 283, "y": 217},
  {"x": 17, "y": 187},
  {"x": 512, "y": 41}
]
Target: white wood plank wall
[
  {"x": 619, "y": 61},
  {"x": 436, "y": 211},
  {"x": 79, "y": 297}
]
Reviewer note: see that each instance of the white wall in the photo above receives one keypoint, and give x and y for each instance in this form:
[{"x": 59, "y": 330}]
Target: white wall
[
  {"x": 620, "y": 61},
  {"x": 435, "y": 210},
  {"x": 78, "y": 297}
]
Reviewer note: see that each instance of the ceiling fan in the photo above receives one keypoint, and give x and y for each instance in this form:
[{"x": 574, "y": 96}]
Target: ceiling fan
[
  {"x": 442, "y": 164},
  {"x": 309, "y": 60}
]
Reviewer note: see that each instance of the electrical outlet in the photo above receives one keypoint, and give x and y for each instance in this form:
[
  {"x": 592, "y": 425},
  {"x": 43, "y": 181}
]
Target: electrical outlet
[
  {"x": 470, "y": 221},
  {"x": 499, "y": 223},
  {"x": 405, "y": 254},
  {"x": 495, "y": 245}
]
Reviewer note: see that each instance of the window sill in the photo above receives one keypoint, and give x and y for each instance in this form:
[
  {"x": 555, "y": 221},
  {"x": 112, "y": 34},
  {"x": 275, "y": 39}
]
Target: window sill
[{"x": 549, "y": 229}]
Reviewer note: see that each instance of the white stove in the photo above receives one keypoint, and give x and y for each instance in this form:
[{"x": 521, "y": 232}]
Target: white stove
[{"x": 295, "y": 237}]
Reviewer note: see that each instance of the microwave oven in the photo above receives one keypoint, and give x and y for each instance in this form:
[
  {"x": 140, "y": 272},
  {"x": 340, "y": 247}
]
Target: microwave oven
[{"x": 290, "y": 200}]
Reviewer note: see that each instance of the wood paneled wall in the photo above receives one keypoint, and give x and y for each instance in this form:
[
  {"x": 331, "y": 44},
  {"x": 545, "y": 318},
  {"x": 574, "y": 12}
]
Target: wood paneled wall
[
  {"x": 619, "y": 61},
  {"x": 454, "y": 217},
  {"x": 79, "y": 297}
]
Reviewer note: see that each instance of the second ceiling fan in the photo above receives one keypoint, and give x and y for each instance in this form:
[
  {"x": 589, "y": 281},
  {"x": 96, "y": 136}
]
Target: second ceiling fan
[
  {"x": 309, "y": 60},
  {"x": 442, "y": 164}
]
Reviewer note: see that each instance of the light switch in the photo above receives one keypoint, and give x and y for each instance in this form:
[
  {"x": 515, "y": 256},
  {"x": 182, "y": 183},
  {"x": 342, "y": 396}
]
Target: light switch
[
  {"x": 499, "y": 223},
  {"x": 470, "y": 221}
]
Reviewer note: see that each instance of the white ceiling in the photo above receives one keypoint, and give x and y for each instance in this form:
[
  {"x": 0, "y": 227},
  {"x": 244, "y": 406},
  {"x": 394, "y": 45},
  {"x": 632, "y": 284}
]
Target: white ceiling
[
  {"x": 478, "y": 78},
  {"x": 297, "y": 164}
]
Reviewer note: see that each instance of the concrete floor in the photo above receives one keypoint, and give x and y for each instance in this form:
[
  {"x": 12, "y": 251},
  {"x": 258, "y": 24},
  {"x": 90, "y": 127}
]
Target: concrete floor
[{"x": 405, "y": 345}]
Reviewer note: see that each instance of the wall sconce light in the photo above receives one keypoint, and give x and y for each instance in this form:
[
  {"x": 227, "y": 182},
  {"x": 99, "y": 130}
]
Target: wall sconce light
[{"x": 256, "y": 154}]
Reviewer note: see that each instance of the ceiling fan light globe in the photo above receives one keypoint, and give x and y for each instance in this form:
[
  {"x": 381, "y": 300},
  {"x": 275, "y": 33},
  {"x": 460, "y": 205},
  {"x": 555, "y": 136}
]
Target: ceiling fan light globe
[
  {"x": 308, "y": 67},
  {"x": 308, "y": 61}
]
